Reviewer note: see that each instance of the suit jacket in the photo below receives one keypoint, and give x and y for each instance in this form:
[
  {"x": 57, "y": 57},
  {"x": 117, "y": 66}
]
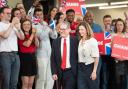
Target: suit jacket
[{"x": 56, "y": 56}]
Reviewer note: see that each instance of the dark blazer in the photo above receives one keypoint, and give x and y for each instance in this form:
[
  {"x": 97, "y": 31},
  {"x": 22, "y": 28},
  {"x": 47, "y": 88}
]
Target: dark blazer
[{"x": 56, "y": 56}]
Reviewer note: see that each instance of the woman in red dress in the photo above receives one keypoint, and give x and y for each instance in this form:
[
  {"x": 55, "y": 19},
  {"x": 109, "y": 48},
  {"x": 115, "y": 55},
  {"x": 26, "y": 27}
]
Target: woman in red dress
[{"x": 27, "y": 48}]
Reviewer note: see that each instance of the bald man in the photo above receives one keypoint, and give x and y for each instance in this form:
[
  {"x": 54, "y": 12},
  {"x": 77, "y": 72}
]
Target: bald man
[{"x": 89, "y": 18}]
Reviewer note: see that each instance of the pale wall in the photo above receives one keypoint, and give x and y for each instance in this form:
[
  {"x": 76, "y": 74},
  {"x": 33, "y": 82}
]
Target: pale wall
[
  {"x": 12, "y": 3},
  {"x": 115, "y": 13}
]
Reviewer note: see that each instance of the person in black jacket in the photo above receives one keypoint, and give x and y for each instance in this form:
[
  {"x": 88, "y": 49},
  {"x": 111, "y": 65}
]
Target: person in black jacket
[{"x": 64, "y": 58}]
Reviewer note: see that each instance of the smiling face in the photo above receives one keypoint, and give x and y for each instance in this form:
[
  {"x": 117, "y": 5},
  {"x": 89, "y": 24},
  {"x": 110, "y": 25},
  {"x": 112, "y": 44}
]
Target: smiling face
[
  {"x": 17, "y": 13},
  {"x": 39, "y": 15},
  {"x": 23, "y": 13},
  {"x": 53, "y": 12},
  {"x": 119, "y": 26},
  {"x": 89, "y": 17},
  {"x": 107, "y": 21},
  {"x": 61, "y": 18},
  {"x": 64, "y": 30},
  {"x": 82, "y": 31},
  {"x": 70, "y": 16},
  {"x": 6, "y": 14},
  {"x": 26, "y": 26}
]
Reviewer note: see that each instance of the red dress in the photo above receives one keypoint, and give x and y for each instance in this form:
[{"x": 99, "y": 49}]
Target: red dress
[{"x": 27, "y": 56}]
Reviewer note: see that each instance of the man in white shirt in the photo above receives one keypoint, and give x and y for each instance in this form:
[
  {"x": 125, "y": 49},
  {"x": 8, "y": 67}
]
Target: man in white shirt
[{"x": 9, "y": 59}]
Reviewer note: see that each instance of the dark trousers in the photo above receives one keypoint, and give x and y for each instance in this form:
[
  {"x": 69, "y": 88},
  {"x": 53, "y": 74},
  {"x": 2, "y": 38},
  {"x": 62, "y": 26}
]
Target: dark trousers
[
  {"x": 68, "y": 80},
  {"x": 1, "y": 77},
  {"x": 84, "y": 80},
  {"x": 107, "y": 73},
  {"x": 120, "y": 74}
]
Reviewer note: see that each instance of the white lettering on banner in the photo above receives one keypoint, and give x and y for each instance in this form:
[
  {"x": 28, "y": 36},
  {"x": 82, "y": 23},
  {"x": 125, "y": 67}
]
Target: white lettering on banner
[
  {"x": 100, "y": 42},
  {"x": 81, "y": 0},
  {"x": 121, "y": 46},
  {"x": 72, "y": 4},
  {"x": 125, "y": 57},
  {"x": 116, "y": 55}
]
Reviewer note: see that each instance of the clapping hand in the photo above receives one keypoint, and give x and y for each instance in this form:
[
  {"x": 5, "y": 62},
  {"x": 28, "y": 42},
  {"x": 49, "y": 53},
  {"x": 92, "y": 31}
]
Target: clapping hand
[{"x": 16, "y": 22}]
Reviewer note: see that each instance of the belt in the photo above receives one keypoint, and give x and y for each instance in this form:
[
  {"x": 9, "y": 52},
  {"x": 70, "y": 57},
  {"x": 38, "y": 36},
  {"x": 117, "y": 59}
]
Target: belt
[
  {"x": 66, "y": 69},
  {"x": 15, "y": 52},
  {"x": 86, "y": 63}
]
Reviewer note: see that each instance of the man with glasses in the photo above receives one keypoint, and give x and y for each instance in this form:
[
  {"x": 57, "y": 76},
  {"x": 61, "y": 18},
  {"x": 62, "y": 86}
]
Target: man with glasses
[
  {"x": 64, "y": 58},
  {"x": 9, "y": 59}
]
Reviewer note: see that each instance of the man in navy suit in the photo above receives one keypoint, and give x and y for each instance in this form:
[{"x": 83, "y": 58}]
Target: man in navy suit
[{"x": 64, "y": 58}]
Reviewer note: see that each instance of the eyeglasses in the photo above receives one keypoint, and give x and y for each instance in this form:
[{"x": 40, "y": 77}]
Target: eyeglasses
[
  {"x": 62, "y": 29},
  {"x": 8, "y": 13}
]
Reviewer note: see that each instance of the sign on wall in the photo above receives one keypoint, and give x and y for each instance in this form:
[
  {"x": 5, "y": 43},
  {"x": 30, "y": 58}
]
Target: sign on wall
[{"x": 77, "y": 5}]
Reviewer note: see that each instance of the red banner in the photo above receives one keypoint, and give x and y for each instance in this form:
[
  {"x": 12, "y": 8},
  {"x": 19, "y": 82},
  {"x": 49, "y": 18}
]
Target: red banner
[
  {"x": 104, "y": 41},
  {"x": 72, "y": 4},
  {"x": 120, "y": 48}
]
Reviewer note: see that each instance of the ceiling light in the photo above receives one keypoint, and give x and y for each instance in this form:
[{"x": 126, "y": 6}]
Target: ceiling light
[
  {"x": 118, "y": 3},
  {"x": 111, "y": 7},
  {"x": 96, "y": 5}
]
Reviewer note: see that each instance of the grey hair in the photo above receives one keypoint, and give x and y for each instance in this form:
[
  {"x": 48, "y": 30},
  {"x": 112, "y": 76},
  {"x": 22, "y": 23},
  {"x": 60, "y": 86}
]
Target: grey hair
[{"x": 66, "y": 23}]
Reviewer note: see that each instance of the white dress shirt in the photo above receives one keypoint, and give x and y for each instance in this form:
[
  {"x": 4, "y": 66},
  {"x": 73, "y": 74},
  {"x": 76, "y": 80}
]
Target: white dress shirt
[{"x": 68, "y": 50}]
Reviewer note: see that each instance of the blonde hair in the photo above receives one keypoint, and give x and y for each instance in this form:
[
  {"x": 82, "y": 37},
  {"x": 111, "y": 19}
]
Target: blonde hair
[{"x": 88, "y": 29}]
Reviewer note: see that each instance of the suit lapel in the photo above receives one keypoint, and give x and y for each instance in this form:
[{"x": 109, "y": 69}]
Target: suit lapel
[
  {"x": 71, "y": 50},
  {"x": 59, "y": 50}
]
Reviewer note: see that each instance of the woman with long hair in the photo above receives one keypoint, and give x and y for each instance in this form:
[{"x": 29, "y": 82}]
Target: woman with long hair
[
  {"x": 120, "y": 66},
  {"x": 51, "y": 14},
  {"x": 27, "y": 49},
  {"x": 88, "y": 58},
  {"x": 15, "y": 13}
]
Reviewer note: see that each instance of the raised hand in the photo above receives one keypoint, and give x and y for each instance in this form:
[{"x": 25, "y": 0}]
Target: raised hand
[
  {"x": 15, "y": 20},
  {"x": 126, "y": 16}
]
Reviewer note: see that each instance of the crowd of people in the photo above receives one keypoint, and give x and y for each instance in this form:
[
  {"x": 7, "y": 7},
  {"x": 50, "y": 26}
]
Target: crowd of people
[{"x": 63, "y": 56}]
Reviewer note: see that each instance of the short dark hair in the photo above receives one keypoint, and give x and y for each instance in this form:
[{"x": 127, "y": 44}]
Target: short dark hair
[
  {"x": 37, "y": 10},
  {"x": 107, "y": 16},
  {"x": 70, "y": 10},
  {"x": 3, "y": 8}
]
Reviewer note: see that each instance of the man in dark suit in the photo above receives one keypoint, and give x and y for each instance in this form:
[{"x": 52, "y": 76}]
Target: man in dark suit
[{"x": 64, "y": 58}]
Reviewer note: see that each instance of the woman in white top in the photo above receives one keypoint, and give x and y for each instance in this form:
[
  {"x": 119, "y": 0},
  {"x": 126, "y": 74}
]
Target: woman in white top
[{"x": 88, "y": 54}]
